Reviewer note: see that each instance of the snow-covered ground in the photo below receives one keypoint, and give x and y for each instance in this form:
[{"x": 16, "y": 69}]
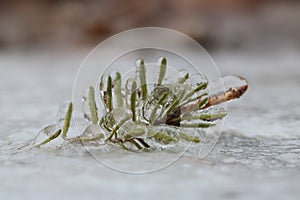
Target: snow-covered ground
[{"x": 257, "y": 156}]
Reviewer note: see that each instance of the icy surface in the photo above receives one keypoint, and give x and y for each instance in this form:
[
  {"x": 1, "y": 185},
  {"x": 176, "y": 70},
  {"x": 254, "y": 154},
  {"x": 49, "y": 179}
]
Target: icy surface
[{"x": 257, "y": 156}]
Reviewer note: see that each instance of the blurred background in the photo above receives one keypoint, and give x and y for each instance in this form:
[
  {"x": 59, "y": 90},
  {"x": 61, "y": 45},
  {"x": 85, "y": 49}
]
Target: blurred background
[{"x": 230, "y": 24}]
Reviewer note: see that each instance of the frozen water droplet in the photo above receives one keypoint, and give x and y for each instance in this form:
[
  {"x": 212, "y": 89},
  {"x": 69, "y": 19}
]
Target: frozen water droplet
[
  {"x": 165, "y": 136},
  {"x": 91, "y": 131},
  {"x": 93, "y": 134},
  {"x": 228, "y": 82},
  {"x": 212, "y": 110},
  {"x": 153, "y": 108},
  {"x": 181, "y": 90},
  {"x": 50, "y": 130},
  {"x": 197, "y": 80},
  {"x": 103, "y": 88},
  {"x": 181, "y": 74},
  {"x": 85, "y": 106},
  {"x": 132, "y": 129},
  {"x": 46, "y": 133},
  {"x": 111, "y": 119},
  {"x": 233, "y": 81},
  {"x": 148, "y": 111}
]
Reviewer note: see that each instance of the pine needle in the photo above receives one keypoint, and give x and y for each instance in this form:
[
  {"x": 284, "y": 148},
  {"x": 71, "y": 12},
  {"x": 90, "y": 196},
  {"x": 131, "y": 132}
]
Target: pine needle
[
  {"x": 93, "y": 106},
  {"x": 162, "y": 72},
  {"x": 142, "y": 73},
  {"x": 67, "y": 121}
]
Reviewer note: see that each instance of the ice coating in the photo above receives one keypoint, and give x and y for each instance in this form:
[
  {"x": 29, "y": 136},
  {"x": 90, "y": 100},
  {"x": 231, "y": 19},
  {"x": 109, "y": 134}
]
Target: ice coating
[
  {"x": 159, "y": 113},
  {"x": 168, "y": 112},
  {"x": 93, "y": 134},
  {"x": 131, "y": 129},
  {"x": 110, "y": 120},
  {"x": 166, "y": 136},
  {"x": 85, "y": 106},
  {"x": 235, "y": 87}
]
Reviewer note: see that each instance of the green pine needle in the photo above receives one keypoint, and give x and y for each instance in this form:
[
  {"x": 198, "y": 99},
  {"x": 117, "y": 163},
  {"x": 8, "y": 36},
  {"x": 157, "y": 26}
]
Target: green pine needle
[
  {"x": 109, "y": 94},
  {"x": 162, "y": 72},
  {"x": 118, "y": 90},
  {"x": 133, "y": 100},
  {"x": 93, "y": 106},
  {"x": 142, "y": 73},
  {"x": 49, "y": 139},
  {"x": 67, "y": 121}
]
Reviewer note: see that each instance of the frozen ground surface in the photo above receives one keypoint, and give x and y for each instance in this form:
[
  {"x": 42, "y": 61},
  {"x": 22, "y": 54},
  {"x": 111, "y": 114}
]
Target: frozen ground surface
[{"x": 257, "y": 156}]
